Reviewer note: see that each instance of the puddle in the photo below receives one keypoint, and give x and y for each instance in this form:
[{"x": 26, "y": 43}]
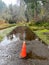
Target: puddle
[
  {"x": 23, "y": 32},
  {"x": 32, "y": 55},
  {"x": 7, "y": 40},
  {"x": 19, "y": 33}
]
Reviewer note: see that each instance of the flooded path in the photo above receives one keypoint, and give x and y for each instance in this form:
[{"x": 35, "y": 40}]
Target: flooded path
[
  {"x": 7, "y": 40},
  {"x": 10, "y": 47},
  {"x": 38, "y": 53}
]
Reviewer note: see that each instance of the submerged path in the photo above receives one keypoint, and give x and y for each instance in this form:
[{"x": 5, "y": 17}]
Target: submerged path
[
  {"x": 10, "y": 47},
  {"x": 39, "y": 53}
]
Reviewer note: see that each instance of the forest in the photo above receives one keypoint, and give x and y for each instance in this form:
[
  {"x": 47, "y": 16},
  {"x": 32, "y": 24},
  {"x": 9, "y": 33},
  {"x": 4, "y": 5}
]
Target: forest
[
  {"x": 31, "y": 10},
  {"x": 24, "y": 32}
]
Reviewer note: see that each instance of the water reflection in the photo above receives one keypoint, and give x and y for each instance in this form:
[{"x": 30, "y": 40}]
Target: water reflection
[
  {"x": 8, "y": 40},
  {"x": 23, "y": 32},
  {"x": 19, "y": 33}
]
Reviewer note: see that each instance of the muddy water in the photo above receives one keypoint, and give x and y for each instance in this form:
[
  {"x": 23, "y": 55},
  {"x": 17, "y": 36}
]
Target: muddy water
[
  {"x": 19, "y": 33},
  {"x": 9, "y": 40},
  {"x": 23, "y": 32},
  {"x": 36, "y": 50}
]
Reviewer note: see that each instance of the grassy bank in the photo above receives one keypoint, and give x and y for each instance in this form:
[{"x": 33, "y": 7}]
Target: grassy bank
[
  {"x": 43, "y": 35},
  {"x": 41, "y": 30},
  {"x": 4, "y": 32},
  {"x": 5, "y": 25},
  {"x": 7, "y": 28},
  {"x": 38, "y": 30}
]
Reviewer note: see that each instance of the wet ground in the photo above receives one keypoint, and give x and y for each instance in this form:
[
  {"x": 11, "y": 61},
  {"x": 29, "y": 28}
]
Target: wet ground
[
  {"x": 10, "y": 47},
  {"x": 37, "y": 53}
]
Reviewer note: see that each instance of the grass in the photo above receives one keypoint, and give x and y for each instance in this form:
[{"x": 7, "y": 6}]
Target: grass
[
  {"x": 37, "y": 30},
  {"x": 6, "y": 25},
  {"x": 7, "y": 28},
  {"x": 4, "y": 32},
  {"x": 42, "y": 36}
]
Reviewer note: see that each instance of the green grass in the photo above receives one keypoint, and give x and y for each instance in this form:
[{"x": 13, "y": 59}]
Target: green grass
[
  {"x": 42, "y": 36},
  {"x": 4, "y": 32},
  {"x": 37, "y": 30},
  {"x": 4, "y": 26}
]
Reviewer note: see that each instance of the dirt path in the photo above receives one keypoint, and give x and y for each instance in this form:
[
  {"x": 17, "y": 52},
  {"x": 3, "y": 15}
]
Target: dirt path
[{"x": 9, "y": 54}]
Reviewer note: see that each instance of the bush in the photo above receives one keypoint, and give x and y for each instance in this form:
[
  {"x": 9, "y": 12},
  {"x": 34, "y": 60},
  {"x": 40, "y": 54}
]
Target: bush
[
  {"x": 11, "y": 21},
  {"x": 31, "y": 23}
]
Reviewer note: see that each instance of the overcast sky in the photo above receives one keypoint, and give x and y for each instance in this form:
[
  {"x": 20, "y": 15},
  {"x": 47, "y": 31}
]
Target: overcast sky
[{"x": 11, "y": 2}]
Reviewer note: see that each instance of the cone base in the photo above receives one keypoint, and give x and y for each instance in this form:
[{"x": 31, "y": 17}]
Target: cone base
[{"x": 22, "y": 57}]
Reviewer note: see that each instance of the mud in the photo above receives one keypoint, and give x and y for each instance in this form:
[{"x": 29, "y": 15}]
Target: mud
[
  {"x": 10, "y": 47},
  {"x": 37, "y": 53},
  {"x": 23, "y": 32}
]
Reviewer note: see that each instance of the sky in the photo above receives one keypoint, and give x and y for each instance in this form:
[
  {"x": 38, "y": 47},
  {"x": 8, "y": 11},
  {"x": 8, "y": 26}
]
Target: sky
[{"x": 11, "y": 2}]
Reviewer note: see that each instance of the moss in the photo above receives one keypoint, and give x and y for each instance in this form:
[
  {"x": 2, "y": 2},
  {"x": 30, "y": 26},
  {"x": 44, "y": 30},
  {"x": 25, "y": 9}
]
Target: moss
[{"x": 42, "y": 36}]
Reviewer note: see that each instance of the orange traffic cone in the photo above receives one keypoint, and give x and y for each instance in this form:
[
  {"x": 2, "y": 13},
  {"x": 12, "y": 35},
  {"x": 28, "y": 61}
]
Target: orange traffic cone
[{"x": 23, "y": 51}]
